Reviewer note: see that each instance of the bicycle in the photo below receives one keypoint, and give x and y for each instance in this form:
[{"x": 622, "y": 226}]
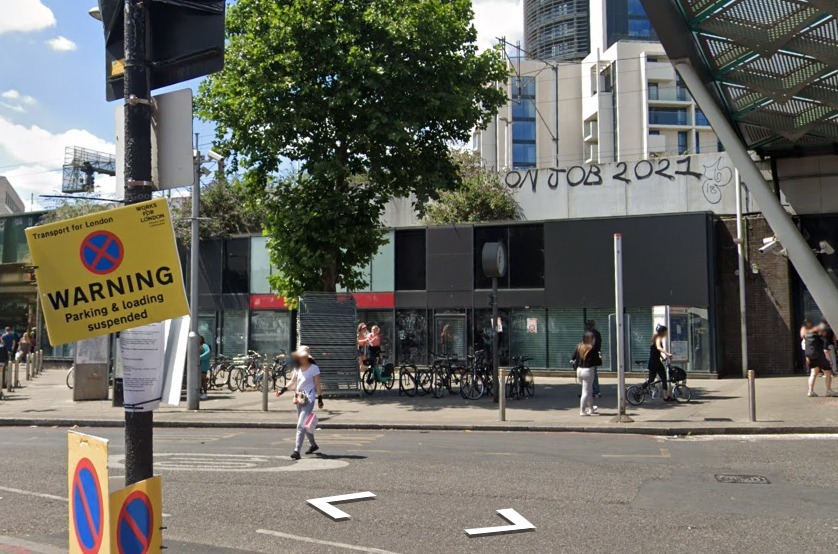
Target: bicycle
[
  {"x": 414, "y": 381},
  {"x": 446, "y": 373},
  {"x": 378, "y": 373},
  {"x": 636, "y": 394},
  {"x": 474, "y": 381},
  {"x": 520, "y": 383},
  {"x": 245, "y": 377},
  {"x": 221, "y": 373}
]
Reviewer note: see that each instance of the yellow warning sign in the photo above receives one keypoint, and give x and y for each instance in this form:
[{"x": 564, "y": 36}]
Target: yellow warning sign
[
  {"x": 87, "y": 476},
  {"x": 107, "y": 272},
  {"x": 137, "y": 517}
]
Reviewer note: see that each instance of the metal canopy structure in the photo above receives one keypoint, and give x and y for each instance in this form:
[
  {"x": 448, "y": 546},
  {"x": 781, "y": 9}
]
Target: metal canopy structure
[
  {"x": 80, "y": 164},
  {"x": 771, "y": 65}
]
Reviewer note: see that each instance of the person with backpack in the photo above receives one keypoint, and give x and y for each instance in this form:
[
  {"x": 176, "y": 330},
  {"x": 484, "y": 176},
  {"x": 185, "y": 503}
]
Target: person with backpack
[
  {"x": 584, "y": 360},
  {"x": 306, "y": 383},
  {"x": 815, "y": 350}
]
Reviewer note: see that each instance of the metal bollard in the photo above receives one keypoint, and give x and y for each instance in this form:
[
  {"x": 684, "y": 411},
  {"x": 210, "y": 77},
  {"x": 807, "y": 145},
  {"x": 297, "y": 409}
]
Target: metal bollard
[
  {"x": 39, "y": 362},
  {"x": 29, "y": 367},
  {"x": 7, "y": 373},
  {"x": 752, "y": 395},
  {"x": 501, "y": 396},
  {"x": 17, "y": 374}
]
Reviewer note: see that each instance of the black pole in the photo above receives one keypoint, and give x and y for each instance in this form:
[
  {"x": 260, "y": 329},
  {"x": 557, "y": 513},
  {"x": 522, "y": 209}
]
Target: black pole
[
  {"x": 139, "y": 430},
  {"x": 495, "y": 347}
]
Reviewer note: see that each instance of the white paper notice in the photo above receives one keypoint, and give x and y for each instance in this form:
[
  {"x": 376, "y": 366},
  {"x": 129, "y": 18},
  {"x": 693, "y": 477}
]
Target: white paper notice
[{"x": 142, "y": 353}]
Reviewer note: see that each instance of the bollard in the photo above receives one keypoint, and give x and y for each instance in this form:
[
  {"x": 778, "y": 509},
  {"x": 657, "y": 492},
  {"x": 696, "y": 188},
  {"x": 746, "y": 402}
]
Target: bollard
[
  {"x": 501, "y": 396},
  {"x": 29, "y": 367},
  {"x": 39, "y": 362},
  {"x": 752, "y": 395},
  {"x": 17, "y": 374},
  {"x": 7, "y": 376}
]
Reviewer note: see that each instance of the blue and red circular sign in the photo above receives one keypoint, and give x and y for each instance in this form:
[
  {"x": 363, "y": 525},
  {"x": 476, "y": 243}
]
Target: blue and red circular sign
[
  {"x": 101, "y": 252},
  {"x": 135, "y": 524},
  {"x": 88, "y": 509}
]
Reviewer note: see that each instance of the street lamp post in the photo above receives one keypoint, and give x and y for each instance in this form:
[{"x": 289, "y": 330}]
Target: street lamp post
[{"x": 139, "y": 430}]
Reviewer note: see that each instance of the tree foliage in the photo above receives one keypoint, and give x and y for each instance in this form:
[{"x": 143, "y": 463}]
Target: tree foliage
[
  {"x": 348, "y": 88},
  {"x": 76, "y": 207},
  {"x": 480, "y": 197},
  {"x": 224, "y": 211}
]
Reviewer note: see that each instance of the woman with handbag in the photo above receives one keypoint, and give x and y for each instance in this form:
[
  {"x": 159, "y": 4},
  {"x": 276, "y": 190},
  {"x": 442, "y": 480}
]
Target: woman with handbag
[{"x": 306, "y": 379}]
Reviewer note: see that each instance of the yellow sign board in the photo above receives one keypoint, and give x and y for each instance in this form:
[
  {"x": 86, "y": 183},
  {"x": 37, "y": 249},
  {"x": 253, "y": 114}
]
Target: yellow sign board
[
  {"x": 87, "y": 476},
  {"x": 137, "y": 517},
  {"x": 107, "y": 272}
]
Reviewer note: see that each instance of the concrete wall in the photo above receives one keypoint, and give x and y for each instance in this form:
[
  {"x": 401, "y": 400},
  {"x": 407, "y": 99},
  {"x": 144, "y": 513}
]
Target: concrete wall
[{"x": 810, "y": 185}]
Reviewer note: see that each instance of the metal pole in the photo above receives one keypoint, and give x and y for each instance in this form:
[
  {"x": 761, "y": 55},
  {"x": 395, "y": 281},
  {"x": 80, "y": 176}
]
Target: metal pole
[
  {"x": 752, "y": 395},
  {"x": 811, "y": 272},
  {"x": 17, "y": 374},
  {"x": 495, "y": 346},
  {"x": 139, "y": 430},
  {"x": 29, "y": 366},
  {"x": 193, "y": 379},
  {"x": 740, "y": 249},
  {"x": 619, "y": 320},
  {"x": 265, "y": 382}
]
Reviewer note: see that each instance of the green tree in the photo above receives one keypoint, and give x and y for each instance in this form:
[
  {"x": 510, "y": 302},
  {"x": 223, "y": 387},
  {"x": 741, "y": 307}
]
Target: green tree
[
  {"x": 348, "y": 88},
  {"x": 480, "y": 197},
  {"x": 224, "y": 211},
  {"x": 76, "y": 207}
]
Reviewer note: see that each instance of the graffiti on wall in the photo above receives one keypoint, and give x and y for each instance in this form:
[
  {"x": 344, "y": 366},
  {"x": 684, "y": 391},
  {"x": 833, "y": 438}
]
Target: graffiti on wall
[{"x": 712, "y": 177}]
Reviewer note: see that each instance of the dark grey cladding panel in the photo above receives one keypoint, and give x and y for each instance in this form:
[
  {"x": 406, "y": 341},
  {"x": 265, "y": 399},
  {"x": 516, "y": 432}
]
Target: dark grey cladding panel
[
  {"x": 209, "y": 302},
  {"x": 235, "y": 301},
  {"x": 411, "y": 299},
  {"x": 453, "y": 299},
  {"x": 511, "y": 298},
  {"x": 450, "y": 259},
  {"x": 665, "y": 261}
]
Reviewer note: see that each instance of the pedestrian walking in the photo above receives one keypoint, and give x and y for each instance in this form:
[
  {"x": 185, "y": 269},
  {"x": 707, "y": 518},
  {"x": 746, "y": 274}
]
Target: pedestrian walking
[
  {"x": 204, "y": 362},
  {"x": 657, "y": 354},
  {"x": 306, "y": 379},
  {"x": 590, "y": 326},
  {"x": 829, "y": 340},
  {"x": 583, "y": 360},
  {"x": 363, "y": 337},
  {"x": 24, "y": 347},
  {"x": 805, "y": 328},
  {"x": 815, "y": 351}
]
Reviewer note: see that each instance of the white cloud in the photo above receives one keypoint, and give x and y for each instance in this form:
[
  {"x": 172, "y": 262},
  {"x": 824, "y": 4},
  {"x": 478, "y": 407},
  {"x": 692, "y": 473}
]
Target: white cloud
[
  {"x": 15, "y": 101},
  {"x": 498, "y": 18},
  {"x": 40, "y": 154},
  {"x": 62, "y": 44},
  {"x": 25, "y": 16}
]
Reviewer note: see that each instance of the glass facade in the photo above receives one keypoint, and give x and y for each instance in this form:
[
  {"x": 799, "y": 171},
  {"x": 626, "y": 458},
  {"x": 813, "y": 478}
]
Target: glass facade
[
  {"x": 668, "y": 116},
  {"x": 523, "y": 123},
  {"x": 260, "y": 266},
  {"x": 411, "y": 336},
  {"x": 701, "y": 119},
  {"x": 385, "y": 320},
  {"x": 683, "y": 142},
  {"x": 234, "y": 332},
  {"x": 627, "y": 20},
  {"x": 525, "y": 251}
]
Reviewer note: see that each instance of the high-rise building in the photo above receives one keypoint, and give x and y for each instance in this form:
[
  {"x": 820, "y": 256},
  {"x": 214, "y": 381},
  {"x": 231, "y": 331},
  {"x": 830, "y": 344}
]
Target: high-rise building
[
  {"x": 556, "y": 29},
  {"x": 12, "y": 204}
]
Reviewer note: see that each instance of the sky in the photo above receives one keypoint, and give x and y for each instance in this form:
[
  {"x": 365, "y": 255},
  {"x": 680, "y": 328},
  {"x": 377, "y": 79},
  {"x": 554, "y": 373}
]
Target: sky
[{"x": 52, "y": 87}]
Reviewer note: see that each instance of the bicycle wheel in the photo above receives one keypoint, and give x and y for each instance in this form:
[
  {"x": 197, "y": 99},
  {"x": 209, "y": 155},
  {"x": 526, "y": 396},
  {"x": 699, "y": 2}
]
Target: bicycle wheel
[
  {"x": 472, "y": 387},
  {"x": 681, "y": 393},
  {"x": 512, "y": 385},
  {"x": 438, "y": 385},
  {"x": 233, "y": 378},
  {"x": 240, "y": 380},
  {"x": 71, "y": 378},
  {"x": 635, "y": 395},
  {"x": 368, "y": 382},
  {"x": 455, "y": 382},
  {"x": 424, "y": 381},
  {"x": 527, "y": 383},
  {"x": 407, "y": 383},
  {"x": 220, "y": 376}
]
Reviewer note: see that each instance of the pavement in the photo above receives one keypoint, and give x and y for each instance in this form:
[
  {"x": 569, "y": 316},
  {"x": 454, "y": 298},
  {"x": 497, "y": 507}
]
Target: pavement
[{"x": 717, "y": 407}]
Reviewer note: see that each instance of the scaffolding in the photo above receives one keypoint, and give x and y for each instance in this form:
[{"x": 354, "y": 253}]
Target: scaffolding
[{"x": 80, "y": 166}]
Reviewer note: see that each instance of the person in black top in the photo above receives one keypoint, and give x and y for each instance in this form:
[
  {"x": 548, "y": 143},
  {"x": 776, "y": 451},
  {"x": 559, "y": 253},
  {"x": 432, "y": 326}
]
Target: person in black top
[
  {"x": 814, "y": 346},
  {"x": 830, "y": 344},
  {"x": 584, "y": 359},
  {"x": 590, "y": 326},
  {"x": 657, "y": 351}
]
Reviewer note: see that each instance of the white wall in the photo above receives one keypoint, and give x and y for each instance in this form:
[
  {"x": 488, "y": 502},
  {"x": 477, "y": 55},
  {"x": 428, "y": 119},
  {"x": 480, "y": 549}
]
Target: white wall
[{"x": 810, "y": 185}]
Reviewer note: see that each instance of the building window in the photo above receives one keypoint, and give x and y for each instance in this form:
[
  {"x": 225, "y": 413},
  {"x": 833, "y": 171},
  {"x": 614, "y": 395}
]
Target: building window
[
  {"x": 410, "y": 260},
  {"x": 654, "y": 94},
  {"x": 719, "y": 146},
  {"x": 523, "y": 123},
  {"x": 627, "y": 20},
  {"x": 270, "y": 332},
  {"x": 697, "y": 143},
  {"x": 235, "y": 278},
  {"x": 701, "y": 119},
  {"x": 594, "y": 80},
  {"x": 655, "y": 133},
  {"x": 526, "y": 257},
  {"x": 412, "y": 336},
  {"x": 668, "y": 116},
  {"x": 234, "y": 332},
  {"x": 683, "y": 148}
]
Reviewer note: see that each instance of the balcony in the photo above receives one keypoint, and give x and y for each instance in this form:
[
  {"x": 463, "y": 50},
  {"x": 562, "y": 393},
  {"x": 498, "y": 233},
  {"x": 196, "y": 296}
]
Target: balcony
[
  {"x": 660, "y": 71},
  {"x": 657, "y": 144},
  {"x": 678, "y": 117},
  {"x": 591, "y": 131},
  {"x": 664, "y": 95}
]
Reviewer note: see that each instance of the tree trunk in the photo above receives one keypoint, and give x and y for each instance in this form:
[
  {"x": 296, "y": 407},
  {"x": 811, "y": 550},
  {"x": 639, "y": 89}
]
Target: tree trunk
[{"x": 329, "y": 282}]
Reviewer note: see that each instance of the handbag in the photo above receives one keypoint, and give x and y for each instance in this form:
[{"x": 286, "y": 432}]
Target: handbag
[
  {"x": 311, "y": 423},
  {"x": 301, "y": 398}
]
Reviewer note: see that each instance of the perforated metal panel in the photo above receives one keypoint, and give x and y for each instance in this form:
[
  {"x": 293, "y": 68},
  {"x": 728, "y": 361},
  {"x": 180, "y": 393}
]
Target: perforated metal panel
[
  {"x": 326, "y": 324},
  {"x": 775, "y": 63}
]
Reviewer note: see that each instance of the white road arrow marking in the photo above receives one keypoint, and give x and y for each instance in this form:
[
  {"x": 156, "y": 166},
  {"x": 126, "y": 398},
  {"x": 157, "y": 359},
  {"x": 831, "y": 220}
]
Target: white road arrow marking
[
  {"x": 519, "y": 524},
  {"x": 325, "y": 504}
]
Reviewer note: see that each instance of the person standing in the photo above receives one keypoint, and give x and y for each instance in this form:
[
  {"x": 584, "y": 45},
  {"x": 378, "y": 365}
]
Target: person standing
[
  {"x": 363, "y": 338},
  {"x": 829, "y": 340},
  {"x": 9, "y": 339},
  {"x": 590, "y": 326},
  {"x": 816, "y": 360},
  {"x": 306, "y": 379},
  {"x": 584, "y": 359},
  {"x": 24, "y": 347},
  {"x": 657, "y": 353},
  {"x": 375, "y": 344},
  {"x": 204, "y": 361}
]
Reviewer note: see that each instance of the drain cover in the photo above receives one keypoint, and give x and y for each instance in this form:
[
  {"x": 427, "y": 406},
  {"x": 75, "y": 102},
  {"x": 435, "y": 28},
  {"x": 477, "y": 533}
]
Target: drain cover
[{"x": 744, "y": 479}]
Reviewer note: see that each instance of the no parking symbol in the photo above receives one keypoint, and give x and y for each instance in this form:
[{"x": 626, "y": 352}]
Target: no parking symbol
[
  {"x": 88, "y": 511},
  {"x": 136, "y": 517}
]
